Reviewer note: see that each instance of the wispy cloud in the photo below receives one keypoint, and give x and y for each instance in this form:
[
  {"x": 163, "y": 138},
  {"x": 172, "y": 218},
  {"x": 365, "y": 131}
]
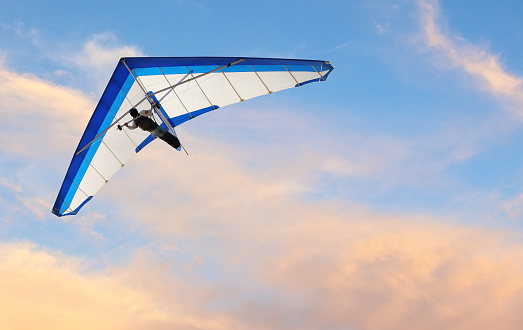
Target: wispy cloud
[
  {"x": 37, "y": 206},
  {"x": 381, "y": 28},
  {"x": 27, "y": 32},
  {"x": 99, "y": 56},
  {"x": 86, "y": 223},
  {"x": 11, "y": 185},
  {"x": 478, "y": 62},
  {"x": 514, "y": 207}
]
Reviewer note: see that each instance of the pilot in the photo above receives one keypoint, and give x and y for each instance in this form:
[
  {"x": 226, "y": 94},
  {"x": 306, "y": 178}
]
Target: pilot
[{"x": 143, "y": 120}]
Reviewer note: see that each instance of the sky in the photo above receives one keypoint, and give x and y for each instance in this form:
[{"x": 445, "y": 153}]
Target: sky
[{"x": 388, "y": 197}]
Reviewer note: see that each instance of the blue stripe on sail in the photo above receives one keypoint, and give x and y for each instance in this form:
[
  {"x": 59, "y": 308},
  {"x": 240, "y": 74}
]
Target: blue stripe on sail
[
  {"x": 235, "y": 68},
  {"x": 177, "y": 65},
  {"x": 75, "y": 211},
  {"x": 269, "y": 68},
  {"x": 149, "y": 66},
  {"x": 145, "y": 142},
  {"x": 175, "y": 122},
  {"x": 175, "y": 70},
  {"x": 202, "y": 68},
  {"x": 147, "y": 62},
  {"x": 314, "y": 80},
  {"x": 238, "y": 68},
  {"x": 147, "y": 71},
  {"x": 88, "y": 157},
  {"x": 327, "y": 74},
  {"x": 120, "y": 82},
  {"x": 188, "y": 116},
  {"x": 308, "y": 82},
  {"x": 302, "y": 68}
]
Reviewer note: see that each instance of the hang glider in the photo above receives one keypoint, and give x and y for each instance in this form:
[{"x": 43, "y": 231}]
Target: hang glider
[{"x": 180, "y": 88}]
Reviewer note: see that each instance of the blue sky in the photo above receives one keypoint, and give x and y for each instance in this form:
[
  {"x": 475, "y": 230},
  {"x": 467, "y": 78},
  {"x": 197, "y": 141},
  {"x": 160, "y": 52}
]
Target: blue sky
[{"x": 388, "y": 197}]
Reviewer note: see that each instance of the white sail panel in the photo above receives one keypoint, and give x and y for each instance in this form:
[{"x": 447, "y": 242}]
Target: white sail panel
[
  {"x": 247, "y": 84},
  {"x": 192, "y": 97},
  {"x": 105, "y": 162},
  {"x": 277, "y": 81},
  {"x": 172, "y": 103},
  {"x": 218, "y": 90},
  {"x": 91, "y": 182}
]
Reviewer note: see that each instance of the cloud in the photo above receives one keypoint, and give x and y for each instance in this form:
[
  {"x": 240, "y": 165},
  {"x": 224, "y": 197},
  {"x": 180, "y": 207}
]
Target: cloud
[
  {"x": 514, "y": 207},
  {"x": 45, "y": 289},
  {"x": 312, "y": 267},
  {"x": 30, "y": 33},
  {"x": 408, "y": 274},
  {"x": 85, "y": 223},
  {"x": 41, "y": 115},
  {"x": 472, "y": 59},
  {"x": 36, "y": 205},
  {"x": 11, "y": 185},
  {"x": 368, "y": 271},
  {"x": 380, "y": 28},
  {"x": 99, "y": 56}
]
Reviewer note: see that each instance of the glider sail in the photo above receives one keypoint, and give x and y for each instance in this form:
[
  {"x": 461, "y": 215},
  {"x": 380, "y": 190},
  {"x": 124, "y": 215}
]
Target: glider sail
[{"x": 184, "y": 87}]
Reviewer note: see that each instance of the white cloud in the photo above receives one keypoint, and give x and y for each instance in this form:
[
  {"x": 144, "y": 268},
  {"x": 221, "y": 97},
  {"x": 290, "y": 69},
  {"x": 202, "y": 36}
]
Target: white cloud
[{"x": 100, "y": 55}]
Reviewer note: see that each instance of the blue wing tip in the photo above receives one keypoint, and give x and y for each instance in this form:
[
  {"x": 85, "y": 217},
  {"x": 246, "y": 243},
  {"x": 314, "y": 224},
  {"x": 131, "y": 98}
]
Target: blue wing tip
[{"x": 61, "y": 212}]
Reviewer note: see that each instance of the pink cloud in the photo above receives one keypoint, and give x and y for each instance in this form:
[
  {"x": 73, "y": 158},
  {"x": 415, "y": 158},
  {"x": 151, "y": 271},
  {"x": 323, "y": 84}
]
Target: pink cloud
[
  {"x": 371, "y": 272},
  {"x": 42, "y": 116},
  {"x": 311, "y": 264},
  {"x": 45, "y": 290},
  {"x": 308, "y": 268}
]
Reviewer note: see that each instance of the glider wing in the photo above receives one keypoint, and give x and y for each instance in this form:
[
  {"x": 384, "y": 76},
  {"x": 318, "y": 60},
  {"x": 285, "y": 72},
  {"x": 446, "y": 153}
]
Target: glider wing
[{"x": 185, "y": 87}]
